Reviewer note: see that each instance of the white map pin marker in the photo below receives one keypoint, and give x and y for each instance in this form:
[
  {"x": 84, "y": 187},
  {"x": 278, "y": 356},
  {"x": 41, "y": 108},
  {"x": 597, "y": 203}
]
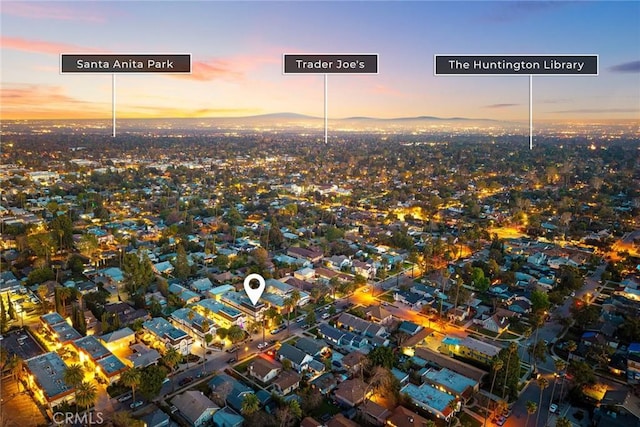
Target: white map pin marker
[{"x": 254, "y": 294}]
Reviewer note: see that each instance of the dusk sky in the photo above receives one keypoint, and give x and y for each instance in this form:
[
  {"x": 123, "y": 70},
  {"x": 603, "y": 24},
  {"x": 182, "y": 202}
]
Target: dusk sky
[{"x": 237, "y": 52}]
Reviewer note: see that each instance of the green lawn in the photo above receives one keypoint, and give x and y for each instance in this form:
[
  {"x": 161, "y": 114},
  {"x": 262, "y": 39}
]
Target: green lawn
[
  {"x": 468, "y": 421},
  {"x": 325, "y": 407},
  {"x": 242, "y": 366},
  {"x": 506, "y": 335},
  {"x": 484, "y": 331},
  {"x": 387, "y": 296}
]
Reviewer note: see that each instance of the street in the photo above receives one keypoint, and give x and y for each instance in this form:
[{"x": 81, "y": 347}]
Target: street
[{"x": 550, "y": 331}]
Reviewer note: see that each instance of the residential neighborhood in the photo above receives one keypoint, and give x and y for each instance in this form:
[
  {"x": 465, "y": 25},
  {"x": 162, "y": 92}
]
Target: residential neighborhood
[{"x": 468, "y": 310}]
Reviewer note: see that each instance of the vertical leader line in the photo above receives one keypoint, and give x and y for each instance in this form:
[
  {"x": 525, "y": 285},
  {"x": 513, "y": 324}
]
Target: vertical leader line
[
  {"x": 326, "y": 108},
  {"x": 530, "y": 111},
  {"x": 113, "y": 104}
]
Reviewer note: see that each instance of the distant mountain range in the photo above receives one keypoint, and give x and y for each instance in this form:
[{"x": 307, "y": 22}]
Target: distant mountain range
[
  {"x": 285, "y": 121},
  {"x": 296, "y": 116}
]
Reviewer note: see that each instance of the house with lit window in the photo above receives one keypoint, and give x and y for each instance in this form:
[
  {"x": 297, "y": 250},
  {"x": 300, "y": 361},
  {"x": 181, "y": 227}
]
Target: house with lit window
[
  {"x": 451, "y": 382},
  {"x": 164, "y": 335},
  {"x": 469, "y": 348},
  {"x": 439, "y": 403},
  {"x": 193, "y": 323},
  {"x": 284, "y": 290},
  {"x": 222, "y": 314},
  {"x": 90, "y": 350},
  {"x": 61, "y": 331},
  {"x": 298, "y": 358},
  {"x": 46, "y": 379},
  {"x": 240, "y": 301},
  {"x": 184, "y": 294},
  {"x": 264, "y": 370},
  {"x": 118, "y": 340}
]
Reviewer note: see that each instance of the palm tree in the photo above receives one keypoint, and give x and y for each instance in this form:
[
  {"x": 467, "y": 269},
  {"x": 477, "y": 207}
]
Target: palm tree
[
  {"x": 513, "y": 347},
  {"x": 207, "y": 340},
  {"x": 495, "y": 366},
  {"x": 295, "y": 299},
  {"x": 235, "y": 335},
  {"x": 542, "y": 383},
  {"x": 538, "y": 351},
  {"x": 563, "y": 422},
  {"x": 501, "y": 407},
  {"x": 86, "y": 394},
  {"x": 131, "y": 378},
  {"x": 73, "y": 376},
  {"x": 250, "y": 404},
  {"x": 172, "y": 358},
  {"x": 334, "y": 282},
  {"x": 560, "y": 365},
  {"x": 205, "y": 330},
  {"x": 43, "y": 292},
  {"x": 17, "y": 366},
  {"x": 288, "y": 305},
  {"x": 571, "y": 346},
  {"x": 532, "y": 407},
  {"x": 453, "y": 405},
  {"x": 64, "y": 293}
]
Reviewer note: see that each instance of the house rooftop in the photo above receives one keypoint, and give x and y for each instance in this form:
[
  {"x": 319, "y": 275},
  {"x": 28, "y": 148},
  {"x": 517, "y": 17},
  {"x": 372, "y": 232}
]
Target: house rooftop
[
  {"x": 480, "y": 346},
  {"x": 92, "y": 346},
  {"x": 65, "y": 332},
  {"x": 430, "y": 396},
  {"x": 162, "y": 328},
  {"x": 192, "y": 404},
  {"x": 52, "y": 318},
  {"x": 111, "y": 365},
  {"x": 403, "y": 417},
  {"x": 261, "y": 366},
  {"x": 449, "y": 379},
  {"x": 48, "y": 370},
  {"x": 117, "y": 335}
]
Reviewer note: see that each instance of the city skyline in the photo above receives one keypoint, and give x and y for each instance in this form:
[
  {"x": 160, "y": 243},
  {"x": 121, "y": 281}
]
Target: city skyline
[{"x": 237, "y": 59}]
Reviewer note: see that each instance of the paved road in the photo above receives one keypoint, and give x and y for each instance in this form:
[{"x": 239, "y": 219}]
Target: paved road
[{"x": 550, "y": 332}]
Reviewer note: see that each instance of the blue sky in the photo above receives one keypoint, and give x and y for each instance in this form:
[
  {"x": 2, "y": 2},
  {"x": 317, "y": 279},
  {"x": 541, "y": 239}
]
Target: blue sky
[{"x": 237, "y": 52}]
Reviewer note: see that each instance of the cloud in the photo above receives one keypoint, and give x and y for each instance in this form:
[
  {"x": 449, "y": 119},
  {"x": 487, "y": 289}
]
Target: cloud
[
  {"x": 627, "y": 67},
  {"x": 212, "y": 70},
  {"x": 40, "y": 46},
  {"x": 34, "y": 94},
  {"x": 35, "y": 101},
  {"x": 501, "y": 105},
  {"x": 598, "y": 110},
  {"x": 52, "y": 11},
  {"x": 23, "y": 101},
  {"x": 233, "y": 68},
  {"x": 152, "y": 111}
]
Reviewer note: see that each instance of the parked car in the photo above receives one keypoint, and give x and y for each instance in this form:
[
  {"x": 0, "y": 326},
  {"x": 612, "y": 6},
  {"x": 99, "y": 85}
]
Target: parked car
[
  {"x": 137, "y": 404},
  {"x": 553, "y": 408},
  {"x": 185, "y": 381},
  {"x": 124, "y": 397},
  {"x": 325, "y": 316},
  {"x": 278, "y": 330},
  {"x": 500, "y": 420},
  {"x": 231, "y": 360}
]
